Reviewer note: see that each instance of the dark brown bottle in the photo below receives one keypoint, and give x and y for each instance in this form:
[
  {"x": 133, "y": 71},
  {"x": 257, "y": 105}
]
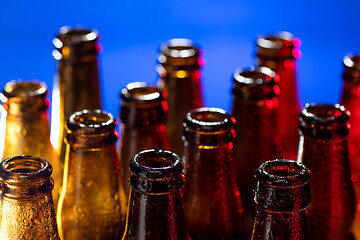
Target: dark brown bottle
[
  {"x": 156, "y": 206},
  {"x": 76, "y": 86},
  {"x": 179, "y": 69},
  {"x": 282, "y": 197},
  {"x": 26, "y": 204},
  {"x": 143, "y": 115},
  {"x": 280, "y": 53},
  {"x": 212, "y": 199},
  {"x": 323, "y": 148},
  {"x": 254, "y": 108},
  {"x": 350, "y": 99}
]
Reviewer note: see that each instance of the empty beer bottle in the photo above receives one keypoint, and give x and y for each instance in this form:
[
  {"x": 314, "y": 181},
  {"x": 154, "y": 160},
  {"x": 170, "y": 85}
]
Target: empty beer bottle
[
  {"x": 212, "y": 199},
  {"x": 156, "y": 207},
  {"x": 254, "y": 108},
  {"x": 76, "y": 85},
  {"x": 282, "y": 197},
  {"x": 26, "y": 204},
  {"x": 280, "y": 52},
  {"x": 143, "y": 114},
  {"x": 25, "y": 125},
  {"x": 351, "y": 100},
  {"x": 90, "y": 205},
  {"x": 323, "y": 148},
  {"x": 179, "y": 69}
]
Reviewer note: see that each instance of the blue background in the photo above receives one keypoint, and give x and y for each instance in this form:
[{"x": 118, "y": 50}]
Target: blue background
[{"x": 133, "y": 30}]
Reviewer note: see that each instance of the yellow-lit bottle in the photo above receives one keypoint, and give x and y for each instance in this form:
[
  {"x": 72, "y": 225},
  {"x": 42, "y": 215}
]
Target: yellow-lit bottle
[
  {"x": 76, "y": 86},
  {"x": 25, "y": 125},
  {"x": 90, "y": 205},
  {"x": 26, "y": 204}
]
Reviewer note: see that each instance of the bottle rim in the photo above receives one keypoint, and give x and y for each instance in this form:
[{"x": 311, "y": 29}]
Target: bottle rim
[
  {"x": 25, "y": 88},
  {"x": 141, "y": 92},
  {"x": 179, "y": 48},
  {"x": 253, "y": 77},
  {"x": 72, "y": 36}
]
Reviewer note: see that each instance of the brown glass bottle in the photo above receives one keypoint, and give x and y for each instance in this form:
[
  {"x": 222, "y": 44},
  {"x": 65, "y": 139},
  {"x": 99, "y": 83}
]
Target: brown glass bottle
[
  {"x": 323, "y": 148},
  {"x": 280, "y": 52},
  {"x": 143, "y": 113},
  {"x": 156, "y": 206},
  {"x": 90, "y": 205},
  {"x": 179, "y": 69},
  {"x": 76, "y": 85},
  {"x": 25, "y": 125},
  {"x": 26, "y": 204},
  {"x": 254, "y": 108},
  {"x": 212, "y": 199},
  {"x": 282, "y": 197},
  {"x": 350, "y": 99}
]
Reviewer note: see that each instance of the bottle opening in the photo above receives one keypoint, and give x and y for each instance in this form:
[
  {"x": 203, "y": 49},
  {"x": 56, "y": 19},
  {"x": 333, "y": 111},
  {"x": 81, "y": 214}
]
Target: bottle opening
[
  {"x": 77, "y": 35},
  {"x": 256, "y": 76},
  {"x": 140, "y": 91},
  {"x": 180, "y": 48},
  {"x": 19, "y": 88},
  {"x": 285, "y": 170},
  {"x": 352, "y": 61},
  {"x": 325, "y": 113},
  {"x": 23, "y": 165},
  {"x": 278, "y": 40}
]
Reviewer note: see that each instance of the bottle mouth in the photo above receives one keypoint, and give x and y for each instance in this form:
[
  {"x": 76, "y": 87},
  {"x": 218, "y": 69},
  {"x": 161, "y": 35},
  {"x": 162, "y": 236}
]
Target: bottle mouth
[
  {"x": 253, "y": 77},
  {"x": 352, "y": 61},
  {"x": 141, "y": 92},
  {"x": 74, "y": 36},
  {"x": 28, "y": 88},
  {"x": 180, "y": 48}
]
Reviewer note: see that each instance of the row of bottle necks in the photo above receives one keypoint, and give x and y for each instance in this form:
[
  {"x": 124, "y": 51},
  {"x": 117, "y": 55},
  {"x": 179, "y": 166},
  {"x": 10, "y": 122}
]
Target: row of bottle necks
[{"x": 266, "y": 125}]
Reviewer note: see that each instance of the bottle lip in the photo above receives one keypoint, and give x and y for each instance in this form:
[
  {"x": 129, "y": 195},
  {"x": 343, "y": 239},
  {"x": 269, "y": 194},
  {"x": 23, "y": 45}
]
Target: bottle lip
[
  {"x": 180, "y": 48},
  {"x": 141, "y": 92},
  {"x": 72, "y": 36},
  {"x": 253, "y": 77},
  {"x": 24, "y": 89},
  {"x": 352, "y": 61},
  {"x": 324, "y": 113},
  {"x": 283, "y": 173},
  {"x": 91, "y": 121},
  {"x": 208, "y": 119},
  {"x": 156, "y": 164}
]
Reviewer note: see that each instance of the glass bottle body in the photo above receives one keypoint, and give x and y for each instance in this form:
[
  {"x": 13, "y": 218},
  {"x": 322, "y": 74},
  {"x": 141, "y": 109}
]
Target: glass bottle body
[
  {"x": 26, "y": 204},
  {"x": 179, "y": 70},
  {"x": 212, "y": 199},
  {"x": 92, "y": 203},
  {"x": 323, "y": 148}
]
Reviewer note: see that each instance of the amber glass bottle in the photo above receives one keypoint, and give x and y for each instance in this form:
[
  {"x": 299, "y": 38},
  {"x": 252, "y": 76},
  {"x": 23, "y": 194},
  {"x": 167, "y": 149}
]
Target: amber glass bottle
[
  {"x": 282, "y": 197},
  {"x": 156, "y": 206},
  {"x": 254, "y": 108},
  {"x": 90, "y": 205},
  {"x": 323, "y": 148},
  {"x": 280, "y": 52},
  {"x": 76, "y": 85},
  {"x": 25, "y": 125},
  {"x": 351, "y": 100},
  {"x": 26, "y": 204},
  {"x": 212, "y": 199},
  {"x": 143, "y": 113},
  {"x": 179, "y": 69}
]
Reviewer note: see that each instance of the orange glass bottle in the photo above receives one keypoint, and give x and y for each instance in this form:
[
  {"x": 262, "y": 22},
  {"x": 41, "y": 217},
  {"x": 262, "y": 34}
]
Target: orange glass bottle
[
  {"x": 76, "y": 85},
  {"x": 179, "y": 70},
  {"x": 280, "y": 53},
  {"x": 323, "y": 148},
  {"x": 156, "y": 207},
  {"x": 282, "y": 197},
  {"x": 25, "y": 125},
  {"x": 350, "y": 99},
  {"x": 143, "y": 114},
  {"x": 254, "y": 108},
  {"x": 26, "y": 204},
  {"x": 90, "y": 205},
  {"x": 212, "y": 199}
]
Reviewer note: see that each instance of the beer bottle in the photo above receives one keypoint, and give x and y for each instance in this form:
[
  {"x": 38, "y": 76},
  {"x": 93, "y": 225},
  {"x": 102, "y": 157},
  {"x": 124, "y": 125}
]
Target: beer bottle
[
  {"x": 26, "y": 204},
  {"x": 25, "y": 125},
  {"x": 323, "y": 148},
  {"x": 351, "y": 100},
  {"x": 212, "y": 199},
  {"x": 90, "y": 205},
  {"x": 143, "y": 114},
  {"x": 282, "y": 197},
  {"x": 254, "y": 108},
  {"x": 156, "y": 206},
  {"x": 179, "y": 69},
  {"x": 76, "y": 85},
  {"x": 280, "y": 52}
]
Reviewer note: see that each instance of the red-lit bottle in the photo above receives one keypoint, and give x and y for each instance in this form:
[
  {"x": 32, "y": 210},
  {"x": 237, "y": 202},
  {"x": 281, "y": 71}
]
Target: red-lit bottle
[
  {"x": 143, "y": 115},
  {"x": 254, "y": 108},
  {"x": 179, "y": 70},
  {"x": 212, "y": 199},
  {"x": 282, "y": 197},
  {"x": 280, "y": 52},
  {"x": 351, "y": 100},
  {"x": 323, "y": 148},
  {"x": 156, "y": 206}
]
